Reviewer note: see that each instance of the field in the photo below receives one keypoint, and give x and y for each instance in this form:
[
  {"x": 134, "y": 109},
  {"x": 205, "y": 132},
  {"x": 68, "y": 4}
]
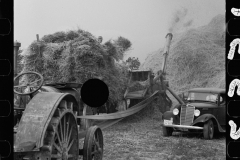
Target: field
[
  {"x": 136, "y": 138},
  {"x": 139, "y": 137}
]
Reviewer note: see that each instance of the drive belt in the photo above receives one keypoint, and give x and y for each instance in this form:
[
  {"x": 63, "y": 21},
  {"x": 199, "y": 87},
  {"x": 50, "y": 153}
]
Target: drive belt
[
  {"x": 108, "y": 120},
  {"x": 122, "y": 114}
]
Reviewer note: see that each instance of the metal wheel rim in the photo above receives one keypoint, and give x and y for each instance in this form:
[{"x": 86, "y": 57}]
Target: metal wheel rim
[
  {"x": 97, "y": 146},
  {"x": 93, "y": 144},
  {"x": 61, "y": 137}
]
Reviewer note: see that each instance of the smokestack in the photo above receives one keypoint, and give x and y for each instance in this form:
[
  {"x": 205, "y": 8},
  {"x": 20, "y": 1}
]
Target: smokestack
[
  {"x": 16, "y": 49},
  {"x": 166, "y": 50},
  {"x": 165, "y": 54}
]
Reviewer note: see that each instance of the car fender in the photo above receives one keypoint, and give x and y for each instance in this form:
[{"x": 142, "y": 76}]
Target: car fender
[
  {"x": 204, "y": 118},
  {"x": 168, "y": 115}
]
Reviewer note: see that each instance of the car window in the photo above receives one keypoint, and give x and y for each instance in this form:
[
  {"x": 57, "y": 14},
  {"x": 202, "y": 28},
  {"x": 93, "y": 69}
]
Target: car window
[
  {"x": 211, "y": 97},
  {"x": 194, "y": 96}
]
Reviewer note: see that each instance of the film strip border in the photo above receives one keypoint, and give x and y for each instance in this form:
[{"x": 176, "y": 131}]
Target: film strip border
[
  {"x": 233, "y": 79},
  {"x": 6, "y": 79}
]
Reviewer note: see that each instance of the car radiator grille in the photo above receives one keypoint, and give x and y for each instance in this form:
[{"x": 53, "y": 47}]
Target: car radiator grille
[{"x": 187, "y": 115}]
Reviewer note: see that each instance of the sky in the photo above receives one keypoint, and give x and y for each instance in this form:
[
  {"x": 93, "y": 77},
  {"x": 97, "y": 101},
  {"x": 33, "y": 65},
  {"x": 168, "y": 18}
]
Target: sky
[{"x": 144, "y": 22}]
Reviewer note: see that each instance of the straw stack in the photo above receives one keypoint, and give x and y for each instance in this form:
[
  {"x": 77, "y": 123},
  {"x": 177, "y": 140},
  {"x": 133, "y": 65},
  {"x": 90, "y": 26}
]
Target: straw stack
[{"x": 76, "y": 56}]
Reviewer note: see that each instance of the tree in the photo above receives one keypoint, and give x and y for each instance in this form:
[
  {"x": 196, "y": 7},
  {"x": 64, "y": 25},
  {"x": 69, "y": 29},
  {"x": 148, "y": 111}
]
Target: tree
[
  {"x": 118, "y": 48},
  {"x": 133, "y": 63}
]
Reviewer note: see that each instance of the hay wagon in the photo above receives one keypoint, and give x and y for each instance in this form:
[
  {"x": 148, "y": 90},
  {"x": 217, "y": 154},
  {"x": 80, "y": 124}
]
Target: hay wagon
[{"x": 46, "y": 125}]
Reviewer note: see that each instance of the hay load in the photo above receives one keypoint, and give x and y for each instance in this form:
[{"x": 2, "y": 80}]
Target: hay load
[{"x": 77, "y": 56}]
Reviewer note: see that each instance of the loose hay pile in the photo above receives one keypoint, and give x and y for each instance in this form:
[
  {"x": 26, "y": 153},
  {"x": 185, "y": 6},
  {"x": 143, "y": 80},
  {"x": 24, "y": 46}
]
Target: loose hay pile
[{"x": 77, "y": 56}]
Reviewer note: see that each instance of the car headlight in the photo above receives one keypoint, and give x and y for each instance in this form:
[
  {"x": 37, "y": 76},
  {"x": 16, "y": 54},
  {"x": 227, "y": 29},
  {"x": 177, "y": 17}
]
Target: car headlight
[
  {"x": 196, "y": 112},
  {"x": 175, "y": 111}
]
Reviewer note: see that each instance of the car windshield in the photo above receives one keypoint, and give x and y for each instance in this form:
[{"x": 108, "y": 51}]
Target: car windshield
[{"x": 210, "y": 97}]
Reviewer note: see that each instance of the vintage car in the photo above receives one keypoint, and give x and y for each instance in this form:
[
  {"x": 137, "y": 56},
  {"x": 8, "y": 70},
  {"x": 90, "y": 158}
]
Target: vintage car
[{"x": 204, "y": 111}]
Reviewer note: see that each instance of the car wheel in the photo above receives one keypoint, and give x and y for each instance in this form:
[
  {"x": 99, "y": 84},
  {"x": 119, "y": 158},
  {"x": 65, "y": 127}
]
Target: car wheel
[
  {"x": 167, "y": 131},
  {"x": 208, "y": 130}
]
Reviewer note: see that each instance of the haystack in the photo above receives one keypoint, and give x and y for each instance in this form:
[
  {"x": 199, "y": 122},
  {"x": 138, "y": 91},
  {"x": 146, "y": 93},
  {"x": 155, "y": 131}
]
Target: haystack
[
  {"x": 77, "y": 56},
  {"x": 196, "y": 57}
]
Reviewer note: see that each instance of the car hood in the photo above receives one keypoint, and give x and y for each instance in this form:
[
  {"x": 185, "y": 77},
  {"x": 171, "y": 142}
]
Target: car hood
[{"x": 203, "y": 105}]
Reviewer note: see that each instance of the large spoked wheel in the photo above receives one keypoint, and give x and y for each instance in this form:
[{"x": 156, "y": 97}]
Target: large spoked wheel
[
  {"x": 61, "y": 137},
  {"x": 208, "y": 130},
  {"x": 167, "y": 131},
  {"x": 34, "y": 83},
  {"x": 93, "y": 144}
]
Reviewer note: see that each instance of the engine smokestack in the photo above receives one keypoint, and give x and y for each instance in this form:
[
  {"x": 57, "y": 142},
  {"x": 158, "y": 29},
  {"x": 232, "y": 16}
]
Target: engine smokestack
[
  {"x": 166, "y": 50},
  {"x": 16, "y": 49}
]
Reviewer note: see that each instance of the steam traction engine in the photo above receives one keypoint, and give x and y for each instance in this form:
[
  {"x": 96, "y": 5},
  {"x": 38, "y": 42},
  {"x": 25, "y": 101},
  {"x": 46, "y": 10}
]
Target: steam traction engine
[{"x": 45, "y": 123}]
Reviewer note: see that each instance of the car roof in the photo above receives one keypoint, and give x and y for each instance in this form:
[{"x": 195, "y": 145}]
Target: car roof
[{"x": 208, "y": 90}]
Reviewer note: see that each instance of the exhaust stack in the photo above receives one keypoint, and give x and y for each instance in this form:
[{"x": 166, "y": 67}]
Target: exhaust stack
[
  {"x": 16, "y": 49},
  {"x": 166, "y": 50},
  {"x": 165, "y": 54}
]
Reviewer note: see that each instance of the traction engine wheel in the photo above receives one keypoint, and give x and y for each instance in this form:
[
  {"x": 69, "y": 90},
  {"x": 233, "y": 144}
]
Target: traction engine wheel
[
  {"x": 61, "y": 137},
  {"x": 93, "y": 144}
]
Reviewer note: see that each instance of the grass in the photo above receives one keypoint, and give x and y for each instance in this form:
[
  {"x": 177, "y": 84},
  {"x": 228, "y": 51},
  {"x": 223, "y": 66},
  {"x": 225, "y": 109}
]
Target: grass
[{"x": 138, "y": 138}]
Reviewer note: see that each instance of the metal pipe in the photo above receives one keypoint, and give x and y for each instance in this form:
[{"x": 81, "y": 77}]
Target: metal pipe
[
  {"x": 165, "y": 54},
  {"x": 166, "y": 50},
  {"x": 157, "y": 77},
  {"x": 16, "y": 49},
  {"x": 174, "y": 95}
]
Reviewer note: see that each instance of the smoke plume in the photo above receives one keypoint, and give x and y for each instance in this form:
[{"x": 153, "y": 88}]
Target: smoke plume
[{"x": 179, "y": 21}]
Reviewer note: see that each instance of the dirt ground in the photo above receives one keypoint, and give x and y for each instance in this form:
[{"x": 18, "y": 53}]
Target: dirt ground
[{"x": 137, "y": 138}]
